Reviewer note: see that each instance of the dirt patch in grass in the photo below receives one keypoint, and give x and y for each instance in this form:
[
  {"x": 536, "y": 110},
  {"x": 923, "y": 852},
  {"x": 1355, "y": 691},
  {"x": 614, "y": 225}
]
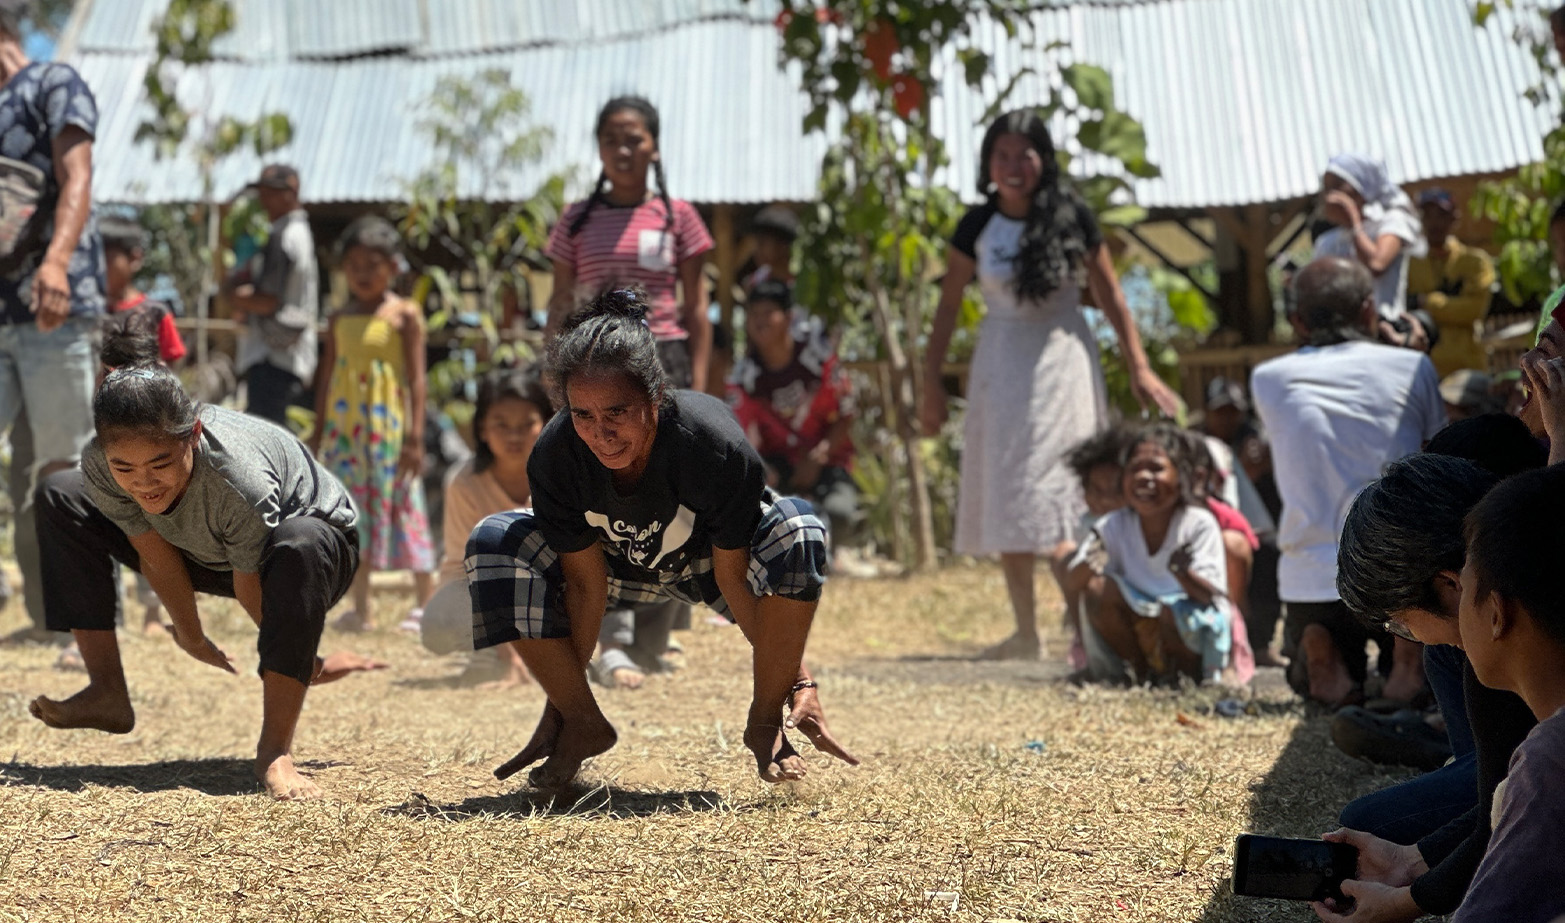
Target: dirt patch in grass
[{"x": 1025, "y": 797}]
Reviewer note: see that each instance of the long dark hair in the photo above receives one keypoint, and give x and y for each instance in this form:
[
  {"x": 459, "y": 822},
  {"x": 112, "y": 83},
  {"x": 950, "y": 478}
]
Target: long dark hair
[
  {"x": 1053, "y": 244},
  {"x": 649, "y": 116},
  {"x": 609, "y": 335},
  {"x": 1171, "y": 439},
  {"x": 146, "y": 401},
  {"x": 504, "y": 384}
]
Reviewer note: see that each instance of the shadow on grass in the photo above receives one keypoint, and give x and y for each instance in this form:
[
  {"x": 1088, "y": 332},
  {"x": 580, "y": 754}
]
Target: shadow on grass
[
  {"x": 606, "y": 801},
  {"x": 215, "y": 776}
]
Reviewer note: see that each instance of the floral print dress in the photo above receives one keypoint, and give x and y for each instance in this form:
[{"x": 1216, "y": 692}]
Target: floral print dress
[{"x": 361, "y": 441}]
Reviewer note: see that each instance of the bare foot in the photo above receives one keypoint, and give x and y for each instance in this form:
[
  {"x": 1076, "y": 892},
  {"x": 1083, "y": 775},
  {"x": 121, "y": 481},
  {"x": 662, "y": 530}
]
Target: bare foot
[
  {"x": 351, "y": 622},
  {"x": 775, "y": 758},
  {"x": 1402, "y": 688},
  {"x": 1328, "y": 675},
  {"x": 283, "y": 781},
  {"x": 336, "y": 665},
  {"x": 1265, "y": 658},
  {"x": 627, "y": 678},
  {"x": 1016, "y": 647},
  {"x": 578, "y": 742},
  {"x": 545, "y": 736},
  {"x": 154, "y": 628},
  {"x": 95, "y": 708},
  {"x": 514, "y": 677}
]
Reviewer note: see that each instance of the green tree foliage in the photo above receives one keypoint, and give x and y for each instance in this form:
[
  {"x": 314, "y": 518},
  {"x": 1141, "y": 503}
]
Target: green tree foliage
[
  {"x": 1520, "y": 205},
  {"x": 483, "y": 134},
  {"x": 873, "y": 245}
]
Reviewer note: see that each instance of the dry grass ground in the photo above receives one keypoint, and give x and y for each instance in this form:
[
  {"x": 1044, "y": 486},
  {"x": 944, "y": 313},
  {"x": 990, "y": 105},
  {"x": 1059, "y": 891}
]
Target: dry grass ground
[{"x": 1027, "y": 798}]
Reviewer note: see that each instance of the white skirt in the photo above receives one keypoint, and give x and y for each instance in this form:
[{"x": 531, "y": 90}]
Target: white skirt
[{"x": 1035, "y": 392}]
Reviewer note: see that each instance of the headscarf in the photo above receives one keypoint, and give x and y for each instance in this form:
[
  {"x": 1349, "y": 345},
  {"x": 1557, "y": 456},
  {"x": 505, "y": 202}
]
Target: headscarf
[{"x": 1368, "y": 177}]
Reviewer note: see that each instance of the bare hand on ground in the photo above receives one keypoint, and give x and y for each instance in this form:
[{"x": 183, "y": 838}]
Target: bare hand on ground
[
  {"x": 336, "y": 665},
  {"x": 806, "y": 715},
  {"x": 51, "y": 302},
  {"x": 203, "y": 649}
]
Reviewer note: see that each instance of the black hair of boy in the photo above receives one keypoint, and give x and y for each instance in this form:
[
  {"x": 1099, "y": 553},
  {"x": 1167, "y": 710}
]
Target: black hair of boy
[
  {"x": 144, "y": 401},
  {"x": 522, "y": 384},
  {"x": 1102, "y": 448},
  {"x": 1515, "y": 542},
  {"x": 373, "y": 233},
  {"x": 1496, "y": 442},
  {"x": 1403, "y": 531},
  {"x": 122, "y": 234},
  {"x": 774, "y": 291}
]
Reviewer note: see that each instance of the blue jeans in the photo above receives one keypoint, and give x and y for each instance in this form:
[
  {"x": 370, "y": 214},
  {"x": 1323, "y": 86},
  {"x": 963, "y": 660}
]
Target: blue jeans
[
  {"x": 46, "y": 384},
  {"x": 1408, "y": 812}
]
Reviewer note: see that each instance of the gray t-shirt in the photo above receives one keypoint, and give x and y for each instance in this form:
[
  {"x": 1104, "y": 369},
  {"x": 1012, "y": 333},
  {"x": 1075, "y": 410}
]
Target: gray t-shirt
[
  {"x": 249, "y": 476},
  {"x": 289, "y": 273},
  {"x": 1519, "y": 879}
]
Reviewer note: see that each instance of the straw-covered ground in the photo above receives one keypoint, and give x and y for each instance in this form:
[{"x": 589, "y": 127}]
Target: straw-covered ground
[{"x": 996, "y": 786}]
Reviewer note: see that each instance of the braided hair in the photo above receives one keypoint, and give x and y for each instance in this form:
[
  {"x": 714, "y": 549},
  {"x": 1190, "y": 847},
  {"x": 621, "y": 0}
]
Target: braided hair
[
  {"x": 1053, "y": 245},
  {"x": 649, "y": 117}
]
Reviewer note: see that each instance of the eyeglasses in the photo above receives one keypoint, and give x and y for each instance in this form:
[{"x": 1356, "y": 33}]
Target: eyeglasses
[{"x": 1400, "y": 630}]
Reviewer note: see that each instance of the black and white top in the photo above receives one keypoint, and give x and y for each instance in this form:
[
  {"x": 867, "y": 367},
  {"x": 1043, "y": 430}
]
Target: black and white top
[
  {"x": 702, "y": 489},
  {"x": 993, "y": 240}
]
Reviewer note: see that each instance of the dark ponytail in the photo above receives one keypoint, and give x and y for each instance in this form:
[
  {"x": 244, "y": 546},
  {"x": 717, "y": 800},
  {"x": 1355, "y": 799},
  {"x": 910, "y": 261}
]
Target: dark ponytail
[
  {"x": 1054, "y": 245},
  {"x": 609, "y": 335},
  {"x": 649, "y": 117},
  {"x": 145, "y": 401},
  {"x": 130, "y": 338}
]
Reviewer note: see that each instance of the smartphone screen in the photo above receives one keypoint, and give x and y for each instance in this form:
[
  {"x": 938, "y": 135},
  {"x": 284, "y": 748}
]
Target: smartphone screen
[{"x": 1300, "y": 870}]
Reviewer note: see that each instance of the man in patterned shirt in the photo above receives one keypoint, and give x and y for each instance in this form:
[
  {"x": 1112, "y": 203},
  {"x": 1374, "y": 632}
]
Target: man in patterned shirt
[{"x": 51, "y": 283}]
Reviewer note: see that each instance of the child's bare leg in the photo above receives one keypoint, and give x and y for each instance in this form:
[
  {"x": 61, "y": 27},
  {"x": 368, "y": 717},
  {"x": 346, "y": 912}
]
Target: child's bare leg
[
  {"x": 1406, "y": 681},
  {"x": 1181, "y": 659},
  {"x": 1328, "y": 673},
  {"x": 105, "y": 704},
  {"x": 777, "y": 637},
  {"x": 423, "y": 587},
  {"x": 1057, "y": 564},
  {"x": 1115, "y": 623},
  {"x": 1240, "y": 558},
  {"x": 515, "y": 669},
  {"x": 361, "y": 597},
  {"x": 583, "y": 731},
  {"x": 1023, "y": 644},
  {"x": 282, "y": 699}
]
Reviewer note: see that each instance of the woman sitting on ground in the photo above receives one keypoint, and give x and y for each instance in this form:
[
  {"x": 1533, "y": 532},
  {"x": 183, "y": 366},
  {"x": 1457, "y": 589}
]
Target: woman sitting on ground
[{"x": 643, "y": 493}]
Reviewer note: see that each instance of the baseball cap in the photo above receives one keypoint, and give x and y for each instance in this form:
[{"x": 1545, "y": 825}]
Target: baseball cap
[
  {"x": 1220, "y": 393},
  {"x": 1465, "y": 387},
  {"x": 776, "y": 219},
  {"x": 277, "y": 176},
  {"x": 1437, "y": 198}
]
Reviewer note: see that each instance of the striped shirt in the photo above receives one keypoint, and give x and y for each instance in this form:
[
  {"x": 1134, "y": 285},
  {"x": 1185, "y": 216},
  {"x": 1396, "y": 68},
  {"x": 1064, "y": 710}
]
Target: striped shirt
[{"x": 623, "y": 245}]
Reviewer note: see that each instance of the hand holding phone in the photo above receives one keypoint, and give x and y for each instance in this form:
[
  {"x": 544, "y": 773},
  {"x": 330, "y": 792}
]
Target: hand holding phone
[{"x": 1299, "y": 870}]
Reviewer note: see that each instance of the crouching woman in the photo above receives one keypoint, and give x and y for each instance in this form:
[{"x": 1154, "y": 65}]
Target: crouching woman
[
  {"x": 197, "y": 499},
  {"x": 642, "y": 493}
]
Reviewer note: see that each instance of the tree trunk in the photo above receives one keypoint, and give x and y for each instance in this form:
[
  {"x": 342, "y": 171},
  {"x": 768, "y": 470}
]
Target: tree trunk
[
  {"x": 900, "y": 534},
  {"x": 903, "y": 423}
]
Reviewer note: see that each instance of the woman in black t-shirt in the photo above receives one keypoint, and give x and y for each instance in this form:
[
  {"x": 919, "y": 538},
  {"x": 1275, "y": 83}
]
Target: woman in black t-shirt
[{"x": 642, "y": 493}]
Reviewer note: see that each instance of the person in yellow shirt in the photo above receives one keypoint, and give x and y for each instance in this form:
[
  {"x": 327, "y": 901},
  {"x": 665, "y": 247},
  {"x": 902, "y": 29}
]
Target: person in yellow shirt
[{"x": 1452, "y": 283}]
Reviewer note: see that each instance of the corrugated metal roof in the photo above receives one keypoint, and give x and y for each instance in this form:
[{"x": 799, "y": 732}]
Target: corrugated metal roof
[{"x": 1242, "y": 100}]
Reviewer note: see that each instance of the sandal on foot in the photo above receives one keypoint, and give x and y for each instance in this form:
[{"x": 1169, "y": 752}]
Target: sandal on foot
[{"x": 70, "y": 660}]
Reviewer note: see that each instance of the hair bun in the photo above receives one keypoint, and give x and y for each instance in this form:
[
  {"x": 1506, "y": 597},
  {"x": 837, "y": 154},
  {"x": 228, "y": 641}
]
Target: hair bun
[{"x": 629, "y": 303}]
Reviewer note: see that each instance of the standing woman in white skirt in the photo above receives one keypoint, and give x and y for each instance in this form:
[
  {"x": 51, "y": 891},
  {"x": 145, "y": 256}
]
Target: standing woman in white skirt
[{"x": 1036, "y": 387}]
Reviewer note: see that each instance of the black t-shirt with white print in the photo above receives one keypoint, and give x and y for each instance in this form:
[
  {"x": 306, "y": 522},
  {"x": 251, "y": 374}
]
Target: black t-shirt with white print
[{"x": 702, "y": 489}]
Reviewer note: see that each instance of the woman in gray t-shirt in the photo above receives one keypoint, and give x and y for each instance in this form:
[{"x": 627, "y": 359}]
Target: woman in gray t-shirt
[{"x": 197, "y": 499}]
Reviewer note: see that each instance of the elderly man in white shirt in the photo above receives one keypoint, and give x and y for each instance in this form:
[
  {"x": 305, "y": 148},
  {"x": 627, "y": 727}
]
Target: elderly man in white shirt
[{"x": 1338, "y": 411}]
